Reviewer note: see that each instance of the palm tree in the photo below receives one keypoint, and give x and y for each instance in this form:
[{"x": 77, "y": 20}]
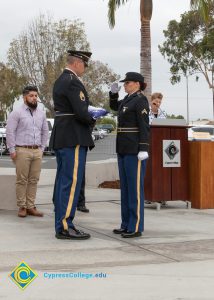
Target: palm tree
[
  {"x": 203, "y": 7},
  {"x": 145, "y": 53}
]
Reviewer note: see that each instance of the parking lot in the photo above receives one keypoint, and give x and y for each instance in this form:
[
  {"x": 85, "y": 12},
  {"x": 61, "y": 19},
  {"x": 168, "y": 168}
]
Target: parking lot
[{"x": 104, "y": 149}]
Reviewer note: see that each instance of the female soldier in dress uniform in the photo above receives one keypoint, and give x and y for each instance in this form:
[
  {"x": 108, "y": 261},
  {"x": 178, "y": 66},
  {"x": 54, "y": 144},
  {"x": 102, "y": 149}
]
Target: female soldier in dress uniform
[{"x": 132, "y": 147}]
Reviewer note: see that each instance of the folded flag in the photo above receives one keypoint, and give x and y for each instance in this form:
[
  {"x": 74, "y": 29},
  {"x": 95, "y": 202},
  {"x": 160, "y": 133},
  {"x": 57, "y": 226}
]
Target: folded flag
[{"x": 97, "y": 112}]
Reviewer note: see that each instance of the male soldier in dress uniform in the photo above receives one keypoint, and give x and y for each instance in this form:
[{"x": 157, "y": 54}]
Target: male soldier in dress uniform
[{"x": 71, "y": 137}]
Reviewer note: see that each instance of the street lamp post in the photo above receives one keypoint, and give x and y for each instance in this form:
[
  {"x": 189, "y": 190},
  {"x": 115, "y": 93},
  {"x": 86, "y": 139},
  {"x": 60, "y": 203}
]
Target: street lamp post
[{"x": 187, "y": 91}]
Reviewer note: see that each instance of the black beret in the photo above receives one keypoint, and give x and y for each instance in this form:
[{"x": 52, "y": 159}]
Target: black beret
[
  {"x": 84, "y": 55},
  {"x": 134, "y": 76}
]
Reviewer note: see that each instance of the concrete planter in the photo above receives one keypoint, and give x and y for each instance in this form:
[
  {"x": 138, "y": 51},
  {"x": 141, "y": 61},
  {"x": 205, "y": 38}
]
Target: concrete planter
[{"x": 8, "y": 192}]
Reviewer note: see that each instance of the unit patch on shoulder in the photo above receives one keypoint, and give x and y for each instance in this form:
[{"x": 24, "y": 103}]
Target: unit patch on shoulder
[
  {"x": 82, "y": 96},
  {"x": 144, "y": 112}
]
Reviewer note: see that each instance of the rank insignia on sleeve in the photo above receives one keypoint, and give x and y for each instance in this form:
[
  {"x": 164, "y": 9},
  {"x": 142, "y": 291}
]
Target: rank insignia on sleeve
[
  {"x": 144, "y": 112},
  {"x": 82, "y": 96}
]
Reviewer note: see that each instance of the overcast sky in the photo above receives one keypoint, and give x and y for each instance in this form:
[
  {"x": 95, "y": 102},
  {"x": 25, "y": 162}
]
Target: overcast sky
[{"x": 120, "y": 47}]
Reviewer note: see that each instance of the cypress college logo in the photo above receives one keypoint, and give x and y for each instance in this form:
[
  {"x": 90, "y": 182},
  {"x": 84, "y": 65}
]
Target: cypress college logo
[{"x": 23, "y": 275}]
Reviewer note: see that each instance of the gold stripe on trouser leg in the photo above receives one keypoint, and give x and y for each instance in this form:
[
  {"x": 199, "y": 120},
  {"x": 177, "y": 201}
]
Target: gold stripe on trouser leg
[
  {"x": 73, "y": 188},
  {"x": 138, "y": 194}
]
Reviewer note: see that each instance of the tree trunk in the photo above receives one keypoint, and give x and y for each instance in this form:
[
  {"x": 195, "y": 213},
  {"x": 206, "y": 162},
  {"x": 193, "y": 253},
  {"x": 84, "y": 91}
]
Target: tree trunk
[{"x": 145, "y": 56}]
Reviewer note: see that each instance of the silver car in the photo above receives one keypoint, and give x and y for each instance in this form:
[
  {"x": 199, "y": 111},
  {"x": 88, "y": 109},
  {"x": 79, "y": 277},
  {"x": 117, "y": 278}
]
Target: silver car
[{"x": 207, "y": 129}]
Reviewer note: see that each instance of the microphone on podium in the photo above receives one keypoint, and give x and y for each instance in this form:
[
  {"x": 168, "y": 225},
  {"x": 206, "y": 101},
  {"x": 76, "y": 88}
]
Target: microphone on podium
[{"x": 163, "y": 112}]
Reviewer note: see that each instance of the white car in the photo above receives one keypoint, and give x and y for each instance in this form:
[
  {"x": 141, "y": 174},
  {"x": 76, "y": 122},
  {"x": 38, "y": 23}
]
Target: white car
[
  {"x": 103, "y": 132},
  {"x": 50, "y": 127},
  {"x": 3, "y": 145},
  {"x": 208, "y": 131},
  {"x": 98, "y": 133},
  {"x": 93, "y": 137}
]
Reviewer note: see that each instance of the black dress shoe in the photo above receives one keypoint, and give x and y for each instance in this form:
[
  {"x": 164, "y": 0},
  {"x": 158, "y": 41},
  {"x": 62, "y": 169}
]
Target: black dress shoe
[
  {"x": 83, "y": 209},
  {"x": 119, "y": 231},
  {"x": 72, "y": 234},
  {"x": 131, "y": 234}
]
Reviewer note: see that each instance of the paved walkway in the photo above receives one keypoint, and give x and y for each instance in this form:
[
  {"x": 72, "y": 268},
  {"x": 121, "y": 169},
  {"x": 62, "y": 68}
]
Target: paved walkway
[{"x": 174, "y": 260}]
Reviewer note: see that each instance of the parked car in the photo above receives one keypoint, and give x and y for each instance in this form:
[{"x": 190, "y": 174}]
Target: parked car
[
  {"x": 108, "y": 127},
  {"x": 50, "y": 127},
  {"x": 93, "y": 136},
  {"x": 201, "y": 128},
  {"x": 3, "y": 145},
  {"x": 103, "y": 132},
  {"x": 97, "y": 133}
]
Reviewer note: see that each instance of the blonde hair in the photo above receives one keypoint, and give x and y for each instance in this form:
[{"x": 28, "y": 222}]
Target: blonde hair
[{"x": 156, "y": 95}]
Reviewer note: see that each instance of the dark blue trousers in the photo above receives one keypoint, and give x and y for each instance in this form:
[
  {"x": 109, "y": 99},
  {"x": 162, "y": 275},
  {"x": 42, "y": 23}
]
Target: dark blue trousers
[
  {"x": 132, "y": 172},
  {"x": 70, "y": 169},
  {"x": 81, "y": 201}
]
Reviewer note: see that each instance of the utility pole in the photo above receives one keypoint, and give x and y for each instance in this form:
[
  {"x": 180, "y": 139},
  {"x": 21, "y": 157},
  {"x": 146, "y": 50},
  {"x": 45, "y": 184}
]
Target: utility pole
[{"x": 187, "y": 91}]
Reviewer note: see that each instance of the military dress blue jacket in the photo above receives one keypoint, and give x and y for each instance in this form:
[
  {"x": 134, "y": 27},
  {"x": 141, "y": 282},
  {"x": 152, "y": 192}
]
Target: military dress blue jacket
[
  {"x": 133, "y": 123},
  {"x": 72, "y": 124}
]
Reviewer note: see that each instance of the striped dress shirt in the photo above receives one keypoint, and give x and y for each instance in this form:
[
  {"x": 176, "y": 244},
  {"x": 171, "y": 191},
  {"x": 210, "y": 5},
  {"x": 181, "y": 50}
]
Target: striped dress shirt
[{"x": 26, "y": 127}]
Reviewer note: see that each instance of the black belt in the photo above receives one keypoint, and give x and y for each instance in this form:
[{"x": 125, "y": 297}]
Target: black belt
[
  {"x": 29, "y": 146},
  {"x": 127, "y": 129}
]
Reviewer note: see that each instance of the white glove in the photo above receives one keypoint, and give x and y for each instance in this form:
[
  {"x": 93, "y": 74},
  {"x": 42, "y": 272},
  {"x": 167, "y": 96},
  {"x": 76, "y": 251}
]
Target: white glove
[
  {"x": 115, "y": 88},
  {"x": 142, "y": 155}
]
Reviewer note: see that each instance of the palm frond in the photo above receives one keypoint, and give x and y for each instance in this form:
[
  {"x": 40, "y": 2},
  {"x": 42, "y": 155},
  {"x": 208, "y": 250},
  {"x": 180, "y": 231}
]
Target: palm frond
[
  {"x": 112, "y": 6},
  {"x": 203, "y": 7}
]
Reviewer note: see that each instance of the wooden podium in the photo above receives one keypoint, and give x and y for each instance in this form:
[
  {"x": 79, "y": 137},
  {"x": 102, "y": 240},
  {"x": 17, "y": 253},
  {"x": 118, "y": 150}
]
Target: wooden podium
[
  {"x": 167, "y": 183},
  {"x": 202, "y": 174}
]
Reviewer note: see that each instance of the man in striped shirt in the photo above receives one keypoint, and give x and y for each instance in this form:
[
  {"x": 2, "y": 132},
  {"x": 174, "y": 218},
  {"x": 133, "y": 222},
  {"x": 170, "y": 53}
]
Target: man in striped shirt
[{"x": 27, "y": 135}]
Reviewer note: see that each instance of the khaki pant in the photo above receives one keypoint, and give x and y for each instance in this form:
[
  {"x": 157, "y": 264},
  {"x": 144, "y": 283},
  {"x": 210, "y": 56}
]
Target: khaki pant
[{"x": 28, "y": 167}]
